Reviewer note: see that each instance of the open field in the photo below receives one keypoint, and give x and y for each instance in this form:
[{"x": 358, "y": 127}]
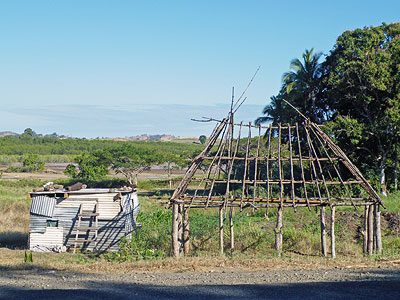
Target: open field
[{"x": 204, "y": 272}]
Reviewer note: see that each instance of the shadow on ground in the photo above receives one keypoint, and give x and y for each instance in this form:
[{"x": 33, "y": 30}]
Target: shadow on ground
[{"x": 382, "y": 284}]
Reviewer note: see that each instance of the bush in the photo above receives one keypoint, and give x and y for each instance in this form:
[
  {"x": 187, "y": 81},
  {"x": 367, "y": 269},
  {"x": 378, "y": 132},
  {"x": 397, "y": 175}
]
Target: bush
[{"x": 32, "y": 163}]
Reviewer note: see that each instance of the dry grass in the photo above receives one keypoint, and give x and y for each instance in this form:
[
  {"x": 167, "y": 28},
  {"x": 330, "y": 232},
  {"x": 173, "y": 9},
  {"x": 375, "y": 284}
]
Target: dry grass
[{"x": 14, "y": 259}]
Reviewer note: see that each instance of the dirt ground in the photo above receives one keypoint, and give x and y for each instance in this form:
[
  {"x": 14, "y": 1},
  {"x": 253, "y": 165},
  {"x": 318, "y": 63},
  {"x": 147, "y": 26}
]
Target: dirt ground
[{"x": 334, "y": 283}]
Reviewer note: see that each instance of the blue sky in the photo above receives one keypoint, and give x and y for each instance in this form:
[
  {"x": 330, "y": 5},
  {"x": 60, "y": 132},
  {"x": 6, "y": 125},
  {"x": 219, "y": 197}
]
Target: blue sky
[{"x": 124, "y": 68}]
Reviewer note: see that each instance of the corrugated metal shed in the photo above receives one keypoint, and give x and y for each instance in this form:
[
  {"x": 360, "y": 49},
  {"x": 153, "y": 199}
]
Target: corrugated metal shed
[{"x": 111, "y": 220}]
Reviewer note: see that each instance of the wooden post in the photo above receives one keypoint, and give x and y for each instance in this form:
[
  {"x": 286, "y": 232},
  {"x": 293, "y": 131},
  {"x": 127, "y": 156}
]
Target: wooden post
[
  {"x": 323, "y": 231},
  {"x": 278, "y": 231},
  {"x": 221, "y": 230},
  {"x": 378, "y": 236},
  {"x": 186, "y": 244},
  {"x": 180, "y": 229},
  {"x": 370, "y": 244},
  {"x": 174, "y": 232},
  {"x": 364, "y": 232},
  {"x": 231, "y": 230},
  {"x": 333, "y": 251}
]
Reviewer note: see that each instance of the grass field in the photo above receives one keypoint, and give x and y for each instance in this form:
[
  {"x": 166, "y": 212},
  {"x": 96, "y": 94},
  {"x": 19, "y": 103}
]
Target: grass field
[{"x": 254, "y": 237}]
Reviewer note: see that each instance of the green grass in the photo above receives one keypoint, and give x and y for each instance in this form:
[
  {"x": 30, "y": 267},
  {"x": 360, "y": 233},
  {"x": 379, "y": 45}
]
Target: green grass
[
  {"x": 254, "y": 230},
  {"x": 392, "y": 202}
]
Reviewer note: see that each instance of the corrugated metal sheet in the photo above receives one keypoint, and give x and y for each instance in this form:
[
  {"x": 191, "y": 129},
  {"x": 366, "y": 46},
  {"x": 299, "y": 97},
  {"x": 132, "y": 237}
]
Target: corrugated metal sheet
[
  {"x": 52, "y": 237},
  {"x": 37, "y": 224},
  {"x": 111, "y": 220},
  {"x": 43, "y": 205},
  {"x": 108, "y": 208}
]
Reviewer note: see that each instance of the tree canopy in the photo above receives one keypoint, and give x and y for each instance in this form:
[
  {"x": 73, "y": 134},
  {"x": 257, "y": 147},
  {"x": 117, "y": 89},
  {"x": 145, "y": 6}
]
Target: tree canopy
[{"x": 356, "y": 91}]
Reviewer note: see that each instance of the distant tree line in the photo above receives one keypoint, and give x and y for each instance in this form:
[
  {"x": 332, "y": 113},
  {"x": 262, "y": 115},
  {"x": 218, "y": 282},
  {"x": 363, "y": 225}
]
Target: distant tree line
[{"x": 355, "y": 92}]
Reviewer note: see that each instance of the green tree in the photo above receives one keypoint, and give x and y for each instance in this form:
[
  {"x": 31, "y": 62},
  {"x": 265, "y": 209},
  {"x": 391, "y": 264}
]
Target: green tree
[
  {"x": 92, "y": 166},
  {"x": 202, "y": 139},
  {"x": 363, "y": 83},
  {"x": 70, "y": 170},
  {"x": 303, "y": 86},
  {"x": 130, "y": 161},
  {"x": 32, "y": 162}
]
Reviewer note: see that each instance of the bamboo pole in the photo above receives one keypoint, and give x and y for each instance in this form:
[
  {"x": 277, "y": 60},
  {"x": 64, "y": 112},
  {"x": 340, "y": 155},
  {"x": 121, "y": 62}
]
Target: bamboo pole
[
  {"x": 323, "y": 231},
  {"x": 232, "y": 229},
  {"x": 364, "y": 232},
  {"x": 221, "y": 230},
  {"x": 245, "y": 164},
  {"x": 180, "y": 229},
  {"x": 174, "y": 232},
  {"x": 186, "y": 241},
  {"x": 278, "y": 231},
  {"x": 291, "y": 171},
  {"x": 333, "y": 250},
  {"x": 370, "y": 244},
  {"x": 378, "y": 236},
  {"x": 301, "y": 166},
  {"x": 268, "y": 154},
  {"x": 279, "y": 164}
]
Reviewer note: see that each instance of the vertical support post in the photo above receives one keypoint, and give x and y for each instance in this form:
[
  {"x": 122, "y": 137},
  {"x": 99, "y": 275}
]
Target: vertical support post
[
  {"x": 221, "y": 230},
  {"x": 231, "y": 230},
  {"x": 364, "y": 232},
  {"x": 180, "y": 229},
  {"x": 323, "y": 231},
  {"x": 378, "y": 236},
  {"x": 186, "y": 243},
  {"x": 174, "y": 231},
  {"x": 370, "y": 245},
  {"x": 278, "y": 231},
  {"x": 333, "y": 250}
]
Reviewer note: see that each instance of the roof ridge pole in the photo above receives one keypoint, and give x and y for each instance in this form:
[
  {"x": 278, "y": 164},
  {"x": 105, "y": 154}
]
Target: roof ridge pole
[
  {"x": 301, "y": 166},
  {"x": 280, "y": 164},
  {"x": 291, "y": 168},
  {"x": 245, "y": 168}
]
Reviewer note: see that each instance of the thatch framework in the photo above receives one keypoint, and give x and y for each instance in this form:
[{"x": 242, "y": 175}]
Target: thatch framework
[{"x": 256, "y": 166}]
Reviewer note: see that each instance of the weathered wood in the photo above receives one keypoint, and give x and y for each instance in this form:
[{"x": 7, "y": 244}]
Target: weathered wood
[
  {"x": 301, "y": 166},
  {"x": 279, "y": 163},
  {"x": 221, "y": 230},
  {"x": 323, "y": 231},
  {"x": 278, "y": 231},
  {"x": 174, "y": 231},
  {"x": 333, "y": 250},
  {"x": 245, "y": 165},
  {"x": 370, "y": 245},
  {"x": 291, "y": 170},
  {"x": 180, "y": 229},
  {"x": 364, "y": 231},
  {"x": 186, "y": 232},
  {"x": 232, "y": 229},
  {"x": 378, "y": 235}
]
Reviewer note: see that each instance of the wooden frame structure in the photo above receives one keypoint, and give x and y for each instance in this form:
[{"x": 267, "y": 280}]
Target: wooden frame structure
[{"x": 273, "y": 166}]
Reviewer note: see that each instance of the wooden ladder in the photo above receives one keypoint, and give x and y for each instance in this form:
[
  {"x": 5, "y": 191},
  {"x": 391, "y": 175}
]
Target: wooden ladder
[{"x": 86, "y": 230}]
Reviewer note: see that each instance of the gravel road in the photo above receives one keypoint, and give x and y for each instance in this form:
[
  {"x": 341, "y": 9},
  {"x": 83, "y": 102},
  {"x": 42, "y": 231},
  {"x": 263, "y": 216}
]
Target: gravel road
[{"x": 366, "y": 283}]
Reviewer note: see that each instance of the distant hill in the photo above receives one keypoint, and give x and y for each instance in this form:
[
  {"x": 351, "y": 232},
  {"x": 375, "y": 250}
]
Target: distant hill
[
  {"x": 157, "y": 137},
  {"x": 7, "y": 133}
]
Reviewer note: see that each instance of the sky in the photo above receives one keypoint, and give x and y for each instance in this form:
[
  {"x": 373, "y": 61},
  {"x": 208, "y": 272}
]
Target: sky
[{"x": 125, "y": 68}]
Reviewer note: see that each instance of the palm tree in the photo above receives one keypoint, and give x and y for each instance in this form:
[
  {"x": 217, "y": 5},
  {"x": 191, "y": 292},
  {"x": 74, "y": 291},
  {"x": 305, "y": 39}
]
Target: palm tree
[
  {"x": 273, "y": 112},
  {"x": 302, "y": 83}
]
